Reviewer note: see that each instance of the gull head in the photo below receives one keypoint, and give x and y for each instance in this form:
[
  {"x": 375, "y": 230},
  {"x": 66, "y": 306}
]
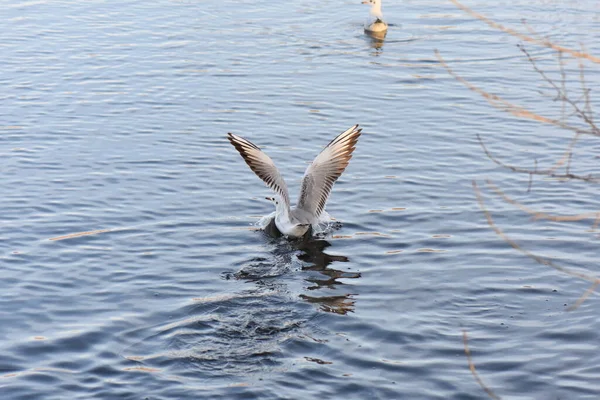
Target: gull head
[
  {"x": 274, "y": 200},
  {"x": 375, "y": 8},
  {"x": 279, "y": 206}
]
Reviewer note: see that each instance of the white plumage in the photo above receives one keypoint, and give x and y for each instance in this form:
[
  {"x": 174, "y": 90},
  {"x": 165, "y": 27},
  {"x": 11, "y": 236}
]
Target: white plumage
[
  {"x": 318, "y": 180},
  {"x": 378, "y": 26}
]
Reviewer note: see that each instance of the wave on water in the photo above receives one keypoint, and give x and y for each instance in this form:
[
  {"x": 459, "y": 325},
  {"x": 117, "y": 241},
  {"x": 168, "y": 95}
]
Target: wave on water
[{"x": 327, "y": 224}]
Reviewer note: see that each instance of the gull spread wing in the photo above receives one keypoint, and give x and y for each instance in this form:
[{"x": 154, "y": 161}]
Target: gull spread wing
[
  {"x": 322, "y": 173},
  {"x": 261, "y": 164}
]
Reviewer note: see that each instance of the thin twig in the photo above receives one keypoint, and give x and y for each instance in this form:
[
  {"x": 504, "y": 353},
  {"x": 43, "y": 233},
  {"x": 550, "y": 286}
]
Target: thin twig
[
  {"x": 538, "y": 214},
  {"x": 584, "y": 296},
  {"x": 547, "y": 172},
  {"x": 529, "y": 27},
  {"x": 516, "y": 246},
  {"x": 563, "y": 83},
  {"x": 586, "y": 91},
  {"x": 576, "y": 101},
  {"x": 531, "y": 177},
  {"x": 526, "y": 38},
  {"x": 79, "y": 234},
  {"x": 474, "y": 371},
  {"x": 596, "y": 222},
  {"x": 562, "y": 95},
  {"x": 505, "y": 105}
]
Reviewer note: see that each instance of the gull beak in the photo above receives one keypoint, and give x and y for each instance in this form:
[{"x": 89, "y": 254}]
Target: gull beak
[
  {"x": 270, "y": 198},
  {"x": 365, "y": 2}
]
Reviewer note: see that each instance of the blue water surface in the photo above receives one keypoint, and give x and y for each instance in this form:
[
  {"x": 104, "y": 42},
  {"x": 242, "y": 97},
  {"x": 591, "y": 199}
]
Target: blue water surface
[{"x": 131, "y": 265}]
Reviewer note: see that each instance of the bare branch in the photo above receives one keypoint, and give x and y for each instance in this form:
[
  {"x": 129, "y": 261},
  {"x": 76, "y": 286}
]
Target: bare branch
[
  {"x": 541, "y": 215},
  {"x": 562, "y": 92},
  {"x": 530, "y": 175},
  {"x": 526, "y": 38},
  {"x": 581, "y": 109},
  {"x": 563, "y": 81},
  {"x": 505, "y": 105},
  {"x": 489, "y": 391},
  {"x": 584, "y": 296},
  {"x": 529, "y": 27},
  {"x": 586, "y": 91},
  {"x": 516, "y": 246},
  {"x": 547, "y": 172}
]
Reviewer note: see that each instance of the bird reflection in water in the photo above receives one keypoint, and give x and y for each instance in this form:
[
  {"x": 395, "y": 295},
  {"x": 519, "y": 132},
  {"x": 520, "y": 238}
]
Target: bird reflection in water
[
  {"x": 376, "y": 40},
  {"x": 313, "y": 254}
]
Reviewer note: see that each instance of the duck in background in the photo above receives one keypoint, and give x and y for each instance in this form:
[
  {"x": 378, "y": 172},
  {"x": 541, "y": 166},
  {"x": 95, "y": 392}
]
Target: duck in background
[{"x": 377, "y": 28}]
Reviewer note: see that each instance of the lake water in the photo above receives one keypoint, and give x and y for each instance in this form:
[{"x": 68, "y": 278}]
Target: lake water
[{"x": 113, "y": 117}]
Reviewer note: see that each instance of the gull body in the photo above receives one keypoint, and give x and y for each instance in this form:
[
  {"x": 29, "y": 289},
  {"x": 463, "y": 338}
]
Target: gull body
[
  {"x": 317, "y": 182},
  {"x": 378, "y": 26}
]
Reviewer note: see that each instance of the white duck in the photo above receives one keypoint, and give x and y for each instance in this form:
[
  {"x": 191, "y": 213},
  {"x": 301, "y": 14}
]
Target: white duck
[
  {"x": 378, "y": 26},
  {"x": 316, "y": 184}
]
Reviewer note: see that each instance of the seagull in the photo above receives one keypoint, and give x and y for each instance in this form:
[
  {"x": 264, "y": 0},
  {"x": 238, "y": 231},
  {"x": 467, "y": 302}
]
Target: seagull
[
  {"x": 321, "y": 174},
  {"x": 378, "y": 26}
]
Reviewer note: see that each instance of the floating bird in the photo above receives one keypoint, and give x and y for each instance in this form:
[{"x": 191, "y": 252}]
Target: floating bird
[
  {"x": 318, "y": 180},
  {"x": 378, "y": 26}
]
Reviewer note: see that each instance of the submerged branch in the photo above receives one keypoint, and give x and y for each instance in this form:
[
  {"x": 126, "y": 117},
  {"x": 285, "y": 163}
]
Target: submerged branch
[
  {"x": 576, "y": 116},
  {"x": 562, "y": 92},
  {"x": 474, "y": 371},
  {"x": 584, "y": 296},
  {"x": 546, "y": 172},
  {"x": 526, "y": 38},
  {"x": 505, "y": 105},
  {"x": 541, "y": 215},
  {"x": 516, "y": 246}
]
